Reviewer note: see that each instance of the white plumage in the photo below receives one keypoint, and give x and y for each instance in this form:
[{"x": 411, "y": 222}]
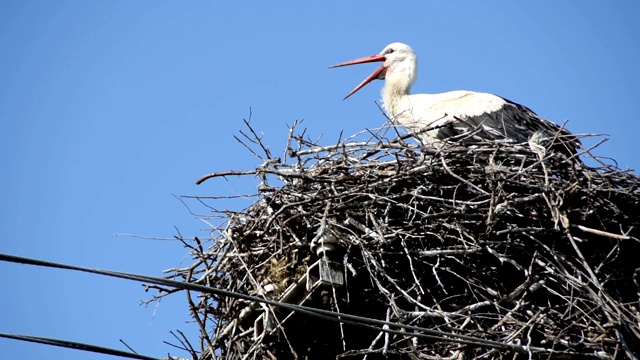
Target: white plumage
[{"x": 469, "y": 116}]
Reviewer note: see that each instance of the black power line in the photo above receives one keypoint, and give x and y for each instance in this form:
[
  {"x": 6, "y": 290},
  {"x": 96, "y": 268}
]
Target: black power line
[
  {"x": 76, "y": 346},
  {"x": 380, "y": 325}
]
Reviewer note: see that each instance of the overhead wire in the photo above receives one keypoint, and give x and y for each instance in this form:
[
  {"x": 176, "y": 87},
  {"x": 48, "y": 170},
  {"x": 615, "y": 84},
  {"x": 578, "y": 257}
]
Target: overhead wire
[
  {"x": 380, "y": 325},
  {"x": 78, "y": 346}
]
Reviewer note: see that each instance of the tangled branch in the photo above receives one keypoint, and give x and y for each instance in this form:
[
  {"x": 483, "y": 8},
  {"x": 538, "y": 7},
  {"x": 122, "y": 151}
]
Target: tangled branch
[{"x": 506, "y": 244}]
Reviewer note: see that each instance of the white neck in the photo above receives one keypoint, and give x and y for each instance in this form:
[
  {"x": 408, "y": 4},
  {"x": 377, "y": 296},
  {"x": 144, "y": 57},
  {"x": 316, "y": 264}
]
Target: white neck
[
  {"x": 392, "y": 97},
  {"x": 398, "y": 81}
]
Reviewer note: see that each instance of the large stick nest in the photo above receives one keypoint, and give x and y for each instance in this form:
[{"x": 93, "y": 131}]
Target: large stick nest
[{"x": 504, "y": 244}]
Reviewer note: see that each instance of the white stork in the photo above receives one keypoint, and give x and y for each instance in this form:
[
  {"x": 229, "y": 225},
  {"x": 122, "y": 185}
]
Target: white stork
[{"x": 469, "y": 116}]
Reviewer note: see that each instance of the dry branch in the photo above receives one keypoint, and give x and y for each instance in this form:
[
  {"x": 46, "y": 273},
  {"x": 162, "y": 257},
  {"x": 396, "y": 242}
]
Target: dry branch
[{"x": 496, "y": 243}]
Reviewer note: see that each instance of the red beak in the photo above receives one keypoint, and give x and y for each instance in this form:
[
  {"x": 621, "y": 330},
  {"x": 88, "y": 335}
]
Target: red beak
[{"x": 378, "y": 74}]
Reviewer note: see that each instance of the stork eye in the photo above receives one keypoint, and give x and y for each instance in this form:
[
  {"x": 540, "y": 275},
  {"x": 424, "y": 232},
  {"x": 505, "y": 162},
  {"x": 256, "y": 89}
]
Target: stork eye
[{"x": 390, "y": 51}]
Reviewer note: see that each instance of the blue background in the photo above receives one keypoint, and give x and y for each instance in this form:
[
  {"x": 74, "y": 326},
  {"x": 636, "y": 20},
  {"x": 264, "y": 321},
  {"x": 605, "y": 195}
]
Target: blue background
[{"x": 111, "y": 109}]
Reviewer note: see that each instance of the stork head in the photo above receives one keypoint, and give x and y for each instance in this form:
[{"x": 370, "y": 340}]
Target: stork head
[{"x": 399, "y": 68}]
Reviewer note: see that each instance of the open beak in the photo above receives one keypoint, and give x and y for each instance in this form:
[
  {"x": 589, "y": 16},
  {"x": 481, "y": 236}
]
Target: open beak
[{"x": 378, "y": 74}]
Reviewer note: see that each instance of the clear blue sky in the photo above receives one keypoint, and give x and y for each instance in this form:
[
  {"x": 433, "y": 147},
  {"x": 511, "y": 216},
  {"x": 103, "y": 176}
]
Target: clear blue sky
[{"x": 110, "y": 108}]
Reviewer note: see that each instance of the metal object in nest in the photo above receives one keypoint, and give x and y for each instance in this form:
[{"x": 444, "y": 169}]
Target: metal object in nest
[
  {"x": 325, "y": 272},
  {"x": 325, "y": 245}
]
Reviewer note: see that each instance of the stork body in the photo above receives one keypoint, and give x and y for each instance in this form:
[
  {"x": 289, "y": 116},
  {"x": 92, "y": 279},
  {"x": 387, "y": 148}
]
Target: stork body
[{"x": 468, "y": 116}]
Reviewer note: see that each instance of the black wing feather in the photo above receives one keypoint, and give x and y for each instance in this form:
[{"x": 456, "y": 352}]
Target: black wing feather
[{"x": 513, "y": 123}]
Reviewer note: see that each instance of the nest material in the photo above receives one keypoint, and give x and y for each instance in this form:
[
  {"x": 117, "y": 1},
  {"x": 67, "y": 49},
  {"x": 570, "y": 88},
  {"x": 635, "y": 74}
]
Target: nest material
[{"x": 507, "y": 244}]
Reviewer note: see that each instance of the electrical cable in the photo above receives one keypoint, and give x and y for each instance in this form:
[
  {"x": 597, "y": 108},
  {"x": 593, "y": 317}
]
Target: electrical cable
[
  {"x": 394, "y": 328},
  {"x": 76, "y": 346}
]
